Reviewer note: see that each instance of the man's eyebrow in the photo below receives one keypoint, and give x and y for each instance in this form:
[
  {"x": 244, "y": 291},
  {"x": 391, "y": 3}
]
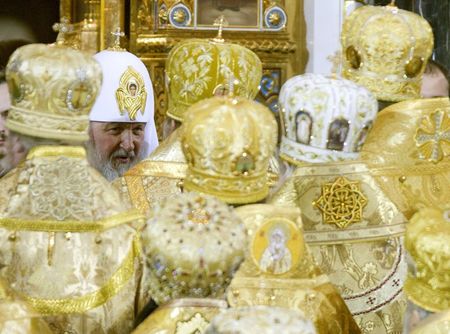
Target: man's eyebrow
[{"x": 111, "y": 125}]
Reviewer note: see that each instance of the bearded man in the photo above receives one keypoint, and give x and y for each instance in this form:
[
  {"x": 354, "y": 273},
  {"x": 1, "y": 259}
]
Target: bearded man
[{"x": 122, "y": 130}]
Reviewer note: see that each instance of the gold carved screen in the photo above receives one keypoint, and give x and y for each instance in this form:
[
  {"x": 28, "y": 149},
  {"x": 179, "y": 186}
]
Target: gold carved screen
[{"x": 154, "y": 26}]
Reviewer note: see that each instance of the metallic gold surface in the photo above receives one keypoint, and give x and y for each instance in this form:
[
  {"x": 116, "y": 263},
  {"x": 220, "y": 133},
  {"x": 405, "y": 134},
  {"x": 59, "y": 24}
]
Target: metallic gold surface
[
  {"x": 386, "y": 49},
  {"x": 129, "y": 100},
  {"x": 435, "y": 324},
  {"x": 427, "y": 240},
  {"x": 156, "y": 177},
  {"x": 16, "y": 316},
  {"x": 162, "y": 175},
  {"x": 412, "y": 167},
  {"x": 193, "y": 245},
  {"x": 365, "y": 259},
  {"x": 93, "y": 267},
  {"x": 198, "y": 69},
  {"x": 189, "y": 315},
  {"x": 50, "y": 98},
  {"x": 302, "y": 286},
  {"x": 341, "y": 202},
  {"x": 228, "y": 142}
]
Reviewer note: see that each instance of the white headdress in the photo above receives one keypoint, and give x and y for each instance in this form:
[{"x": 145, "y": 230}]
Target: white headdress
[{"x": 126, "y": 94}]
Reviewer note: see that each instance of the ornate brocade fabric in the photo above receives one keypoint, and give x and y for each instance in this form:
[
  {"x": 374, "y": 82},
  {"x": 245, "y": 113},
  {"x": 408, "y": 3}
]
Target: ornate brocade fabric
[
  {"x": 188, "y": 315},
  {"x": 354, "y": 233},
  {"x": 301, "y": 285},
  {"x": 69, "y": 247},
  {"x": 161, "y": 175},
  {"x": 18, "y": 317},
  {"x": 156, "y": 177},
  {"x": 408, "y": 151}
]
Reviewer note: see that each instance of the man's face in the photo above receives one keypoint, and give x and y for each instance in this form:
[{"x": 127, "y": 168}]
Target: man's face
[
  {"x": 115, "y": 147},
  {"x": 434, "y": 84}
]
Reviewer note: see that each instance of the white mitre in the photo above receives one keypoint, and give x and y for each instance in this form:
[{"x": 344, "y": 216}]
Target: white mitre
[{"x": 126, "y": 94}]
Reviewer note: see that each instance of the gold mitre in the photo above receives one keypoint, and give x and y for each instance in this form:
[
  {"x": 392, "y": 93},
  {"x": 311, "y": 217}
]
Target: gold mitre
[
  {"x": 428, "y": 243},
  {"x": 408, "y": 151},
  {"x": 386, "y": 49},
  {"x": 228, "y": 143},
  {"x": 324, "y": 119},
  {"x": 438, "y": 323},
  {"x": 290, "y": 280},
  {"x": 262, "y": 320},
  {"x": 52, "y": 91},
  {"x": 197, "y": 69},
  {"x": 193, "y": 246},
  {"x": 186, "y": 315}
]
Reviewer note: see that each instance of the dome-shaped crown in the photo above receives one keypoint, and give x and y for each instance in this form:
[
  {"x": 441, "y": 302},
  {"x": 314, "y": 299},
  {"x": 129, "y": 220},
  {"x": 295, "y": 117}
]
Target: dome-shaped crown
[
  {"x": 197, "y": 69},
  {"x": 324, "y": 119},
  {"x": 52, "y": 91},
  {"x": 385, "y": 49},
  {"x": 228, "y": 143},
  {"x": 194, "y": 244}
]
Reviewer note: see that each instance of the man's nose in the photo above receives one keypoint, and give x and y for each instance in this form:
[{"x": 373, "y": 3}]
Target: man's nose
[{"x": 127, "y": 142}]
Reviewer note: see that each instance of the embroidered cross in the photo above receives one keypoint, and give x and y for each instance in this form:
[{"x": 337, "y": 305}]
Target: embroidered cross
[
  {"x": 433, "y": 135},
  {"x": 371, "y": 300},
  {"x": 396, "y": 282}
]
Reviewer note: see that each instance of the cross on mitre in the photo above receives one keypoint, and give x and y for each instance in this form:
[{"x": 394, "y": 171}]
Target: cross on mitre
[
  {"x": 62, "y": 28},
  {"x": 117, "y": 35},
  {"x": 220, "y": 22}
]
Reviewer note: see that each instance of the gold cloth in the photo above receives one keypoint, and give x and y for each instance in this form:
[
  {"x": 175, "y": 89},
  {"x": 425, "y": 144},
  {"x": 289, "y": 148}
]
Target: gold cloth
[
  {"x": 156, "y": 177},
  {"x": 16, "y": 316},
  {"x": 69, "y": 248},
  {"x": 161, "y": 175},
  {"x": 427, "y": 241},
  {"x": 296, "y": 284},
  {"x": 354, "y": 233},
  {"x": 187, "y": 315},
  {"x": 438, "y": 323},
  {"x": 408, "y": 151}
]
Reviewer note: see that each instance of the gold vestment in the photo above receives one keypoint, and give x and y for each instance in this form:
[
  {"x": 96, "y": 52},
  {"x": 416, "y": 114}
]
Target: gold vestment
[
  {"x": 300, "y": 285},
  {"x": 16, "y": 316},
  {"x": 187, "y": 315},
  {"x": 354, "y": 233},
  {"x": 161, "y": 175},
  {"x": 408, "y": 151},
  {"x": 69, "y": 249}
]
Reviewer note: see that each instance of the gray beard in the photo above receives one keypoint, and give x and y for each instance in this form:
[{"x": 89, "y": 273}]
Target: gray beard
[{"x": 104, "y": 165}]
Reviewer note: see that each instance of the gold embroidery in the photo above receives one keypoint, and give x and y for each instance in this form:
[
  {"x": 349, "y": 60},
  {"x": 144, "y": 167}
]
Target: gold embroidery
[
  {"x": 341, "y": 202},
  {"x": 89, "y": 301},
  {"x": 131, "y": 95},
  {"x": 196, "y": 324},
  {"x": 56, "y": 151},
  {"x": 70, "y": 225},
  {"x": 433, "y": 135}
]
